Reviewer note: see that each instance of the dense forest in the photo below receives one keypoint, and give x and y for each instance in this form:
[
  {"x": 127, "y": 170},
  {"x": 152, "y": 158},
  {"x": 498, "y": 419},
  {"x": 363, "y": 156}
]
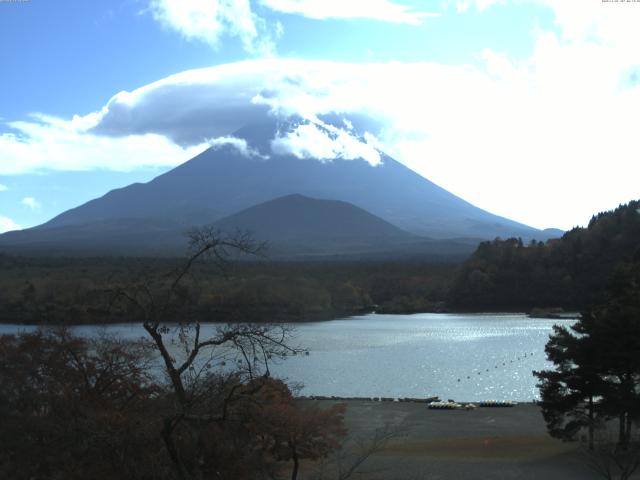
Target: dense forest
[
  {"x": 75, "y": 290},
  {"x": 570, "y": 272}
]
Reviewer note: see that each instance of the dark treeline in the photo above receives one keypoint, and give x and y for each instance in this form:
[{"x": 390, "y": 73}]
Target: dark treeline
[
  {"x": 503, "y": 275},
  {"x": 75, "y": 290},
  {"x": 571, "y": 272}
]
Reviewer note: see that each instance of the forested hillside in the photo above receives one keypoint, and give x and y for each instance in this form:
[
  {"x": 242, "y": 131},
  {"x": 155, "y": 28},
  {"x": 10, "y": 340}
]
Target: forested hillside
[
  {"x": 75, "y": 290},
  {"x": 570, "y": 272}
]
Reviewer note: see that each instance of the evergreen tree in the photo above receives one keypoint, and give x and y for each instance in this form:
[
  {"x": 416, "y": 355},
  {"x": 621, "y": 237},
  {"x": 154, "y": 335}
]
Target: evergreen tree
[
  {"x": 597, "y": 364},
  {"x": 570, "y": 272},
  {"x": 569, "y": 393}
]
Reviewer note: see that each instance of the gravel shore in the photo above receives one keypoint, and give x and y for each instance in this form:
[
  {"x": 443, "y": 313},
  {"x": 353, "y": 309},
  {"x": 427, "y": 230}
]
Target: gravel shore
[{"x": 483, "y": 443}]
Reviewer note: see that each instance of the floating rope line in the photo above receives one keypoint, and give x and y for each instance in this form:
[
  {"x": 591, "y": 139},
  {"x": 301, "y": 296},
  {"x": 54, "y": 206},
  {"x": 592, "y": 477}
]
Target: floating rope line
[{"x": 524, "y": 356}]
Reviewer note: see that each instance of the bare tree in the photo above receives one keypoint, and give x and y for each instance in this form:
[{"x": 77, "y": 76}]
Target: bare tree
[{"x": 202, "y": 398}]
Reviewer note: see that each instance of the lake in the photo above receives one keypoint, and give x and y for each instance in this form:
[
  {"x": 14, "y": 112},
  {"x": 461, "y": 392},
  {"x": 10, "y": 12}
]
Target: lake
[{"x": 466, "y": 357}]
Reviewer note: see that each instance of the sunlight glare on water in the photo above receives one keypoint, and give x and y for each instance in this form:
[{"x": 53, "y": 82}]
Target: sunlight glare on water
[{"x": 466, "y": 357}]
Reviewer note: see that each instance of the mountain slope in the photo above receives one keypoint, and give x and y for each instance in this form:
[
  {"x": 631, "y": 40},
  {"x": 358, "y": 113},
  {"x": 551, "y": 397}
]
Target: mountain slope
[
  {"x": 223, "y": 181},
  {"x": 151, "y": 218},
  {"x": 125, "y": 236},
  {"x": 293, "y": 226}
]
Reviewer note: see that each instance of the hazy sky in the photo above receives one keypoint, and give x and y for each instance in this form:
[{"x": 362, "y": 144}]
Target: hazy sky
[{"x": 526, "y": 108}]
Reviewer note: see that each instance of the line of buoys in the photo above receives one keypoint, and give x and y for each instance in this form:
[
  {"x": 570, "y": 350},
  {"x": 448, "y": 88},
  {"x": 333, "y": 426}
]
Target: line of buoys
[{"x": 503, "y": 364}]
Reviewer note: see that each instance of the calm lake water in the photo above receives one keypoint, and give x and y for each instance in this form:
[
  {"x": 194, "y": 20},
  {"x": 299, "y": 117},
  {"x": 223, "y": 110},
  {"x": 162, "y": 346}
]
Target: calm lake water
[{"x": 466, "y": 357}]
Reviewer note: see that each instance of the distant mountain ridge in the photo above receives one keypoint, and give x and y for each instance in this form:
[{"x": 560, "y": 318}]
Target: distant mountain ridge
[{"x": 223, "y": 181}]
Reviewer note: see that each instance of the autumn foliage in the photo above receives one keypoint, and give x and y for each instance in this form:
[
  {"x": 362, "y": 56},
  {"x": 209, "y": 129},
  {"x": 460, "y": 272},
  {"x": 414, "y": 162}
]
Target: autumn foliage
[
  {"x": 73, "y": 408},
  {"x": 293, "y": 433}
]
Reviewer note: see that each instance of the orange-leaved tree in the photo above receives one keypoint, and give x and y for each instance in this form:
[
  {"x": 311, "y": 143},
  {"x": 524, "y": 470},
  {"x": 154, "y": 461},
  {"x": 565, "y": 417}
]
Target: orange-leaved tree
[{"x": 295, "y": 430}]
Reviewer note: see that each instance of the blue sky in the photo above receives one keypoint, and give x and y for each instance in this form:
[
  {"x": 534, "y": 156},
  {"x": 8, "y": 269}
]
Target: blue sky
[
  {"x": 503, "y": 102},
  {"x": 66, "y": 58}
]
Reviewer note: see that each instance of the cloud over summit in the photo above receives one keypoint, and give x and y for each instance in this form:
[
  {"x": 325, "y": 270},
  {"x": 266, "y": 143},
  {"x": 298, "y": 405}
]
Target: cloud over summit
[{"x": 324, "y": 142}]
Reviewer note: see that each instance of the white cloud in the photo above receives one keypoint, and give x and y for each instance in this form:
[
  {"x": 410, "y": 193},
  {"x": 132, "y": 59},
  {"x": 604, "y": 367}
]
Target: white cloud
[
  {"x": 8, "y": 225},
  {"x": 3, "y": 188},
  {"x": 31, "y": 203},
  {"x": 209, "y": 20},
  {"x": 382, "y": 10},
  {"x": 192, "y": 106},
  {"x": 47, "y": 143},
  {"x": 239, "y": 144},
  {"x": 324, "y": 142},
  {"x": 612, "y": 23}
]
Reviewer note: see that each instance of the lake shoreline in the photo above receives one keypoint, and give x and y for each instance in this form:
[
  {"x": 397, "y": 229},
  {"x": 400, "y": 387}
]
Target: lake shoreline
[
  {"x": 320, "y": 319},
  {"x": 487, "y": 403}
]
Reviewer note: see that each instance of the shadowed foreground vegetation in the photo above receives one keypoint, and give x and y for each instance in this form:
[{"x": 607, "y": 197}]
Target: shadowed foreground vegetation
[{"x": 76, "y": 409}]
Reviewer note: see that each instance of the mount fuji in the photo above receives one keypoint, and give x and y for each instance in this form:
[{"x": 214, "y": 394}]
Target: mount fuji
[{"x": 354, "y": 204}]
